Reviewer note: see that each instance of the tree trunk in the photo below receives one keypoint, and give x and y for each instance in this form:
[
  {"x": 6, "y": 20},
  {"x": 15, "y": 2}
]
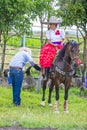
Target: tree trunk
[
  {"x": 1, "y": 46},
  {"x": 3, "y": 56},
  {"x": 85, "y": 60},
  {"x": 41, "y": 37}
]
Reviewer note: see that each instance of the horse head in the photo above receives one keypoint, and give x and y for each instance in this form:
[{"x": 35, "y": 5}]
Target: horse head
[{"x": 72, "y": 51}]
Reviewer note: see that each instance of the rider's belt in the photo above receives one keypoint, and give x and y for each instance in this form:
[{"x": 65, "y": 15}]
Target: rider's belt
[
  {"x": 17, "y": 68},
  {"x": 59, "y": 42}
]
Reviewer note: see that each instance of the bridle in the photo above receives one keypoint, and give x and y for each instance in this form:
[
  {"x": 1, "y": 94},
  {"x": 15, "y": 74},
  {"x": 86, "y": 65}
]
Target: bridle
[{"x": 73, "y": 60}]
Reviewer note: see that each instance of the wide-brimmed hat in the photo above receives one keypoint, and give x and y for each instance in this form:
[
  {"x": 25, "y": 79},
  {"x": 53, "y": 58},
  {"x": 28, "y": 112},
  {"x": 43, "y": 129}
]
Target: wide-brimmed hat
[
  {"x": 53, "y": 20},
  {"x": 25, "y": 49}
]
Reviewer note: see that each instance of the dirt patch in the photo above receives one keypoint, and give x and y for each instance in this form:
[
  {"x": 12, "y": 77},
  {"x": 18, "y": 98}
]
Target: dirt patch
[{"x": 21, "y": 128}]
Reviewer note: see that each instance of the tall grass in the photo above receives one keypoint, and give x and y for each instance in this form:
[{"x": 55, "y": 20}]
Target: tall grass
[
  {"x": 32, "y": 115},
  {"x": 32, "y": 42}
]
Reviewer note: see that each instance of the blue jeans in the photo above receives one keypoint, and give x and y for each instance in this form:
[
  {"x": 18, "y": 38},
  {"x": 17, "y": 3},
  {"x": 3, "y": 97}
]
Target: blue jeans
[
  {"x": 17, "y": 78},
  {"x": 9, "y": 79}
]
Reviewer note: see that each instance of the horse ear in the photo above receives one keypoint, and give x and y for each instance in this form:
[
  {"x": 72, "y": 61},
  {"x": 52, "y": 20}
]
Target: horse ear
[
  {"x": 68, "y": 41},
  {"x": 68, "y": 45}
]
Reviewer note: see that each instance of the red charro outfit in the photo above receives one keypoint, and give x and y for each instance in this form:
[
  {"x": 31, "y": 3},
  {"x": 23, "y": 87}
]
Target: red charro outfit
[{"x": 49, "y": 51}]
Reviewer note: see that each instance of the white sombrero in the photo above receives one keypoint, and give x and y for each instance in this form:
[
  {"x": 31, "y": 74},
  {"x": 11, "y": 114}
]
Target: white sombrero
[
  {"x": 25, "y": 49},
  {"x": 53, "y": 20}
]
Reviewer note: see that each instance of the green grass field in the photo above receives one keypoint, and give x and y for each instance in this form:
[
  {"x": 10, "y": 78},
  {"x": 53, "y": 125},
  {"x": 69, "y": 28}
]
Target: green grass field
[{"x": 32, "y": 115}]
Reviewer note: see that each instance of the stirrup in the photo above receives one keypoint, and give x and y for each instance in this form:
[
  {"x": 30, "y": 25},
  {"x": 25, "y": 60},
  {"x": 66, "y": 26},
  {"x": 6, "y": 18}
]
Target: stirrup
[{"x": 45, "y": 77}]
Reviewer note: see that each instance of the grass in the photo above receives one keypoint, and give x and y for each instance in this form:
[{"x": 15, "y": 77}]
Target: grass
[
  {"x": 29, "y": 42},
  {"x": 32, "y": 115},
  {"x": 34, "y": 42}
]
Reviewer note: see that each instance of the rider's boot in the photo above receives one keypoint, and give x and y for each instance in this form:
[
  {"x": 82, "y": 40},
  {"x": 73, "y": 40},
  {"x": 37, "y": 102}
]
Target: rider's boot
[
  {"x": 43, "y": 71},
  {"x": 46, "y": 74}
]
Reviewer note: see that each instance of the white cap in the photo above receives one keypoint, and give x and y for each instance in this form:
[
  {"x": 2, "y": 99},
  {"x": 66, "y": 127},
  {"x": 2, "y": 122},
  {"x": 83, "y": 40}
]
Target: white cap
[{"x": 25, "y": 49}]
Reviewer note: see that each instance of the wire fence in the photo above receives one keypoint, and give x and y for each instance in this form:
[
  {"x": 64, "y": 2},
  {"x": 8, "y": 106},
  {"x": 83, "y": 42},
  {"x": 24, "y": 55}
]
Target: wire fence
[
  {"x": 11, "y": 50},
  {"x": 32, "y": 42}
]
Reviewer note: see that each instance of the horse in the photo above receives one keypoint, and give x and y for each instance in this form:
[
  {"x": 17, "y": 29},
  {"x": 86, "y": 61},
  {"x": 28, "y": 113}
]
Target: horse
[{"x": 62, "y": 71}]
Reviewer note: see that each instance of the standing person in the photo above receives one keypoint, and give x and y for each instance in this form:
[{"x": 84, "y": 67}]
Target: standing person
[
  {"x": 16, "y": 65},
  {"x": 55, "y": 41}
]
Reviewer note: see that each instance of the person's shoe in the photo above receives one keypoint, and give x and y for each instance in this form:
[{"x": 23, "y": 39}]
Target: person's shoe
[{"x": 16, "y": 104}]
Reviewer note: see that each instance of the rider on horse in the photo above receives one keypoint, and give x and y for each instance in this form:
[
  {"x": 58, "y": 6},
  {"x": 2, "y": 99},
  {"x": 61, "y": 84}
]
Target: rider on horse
[{"x": 55, "y": 41}]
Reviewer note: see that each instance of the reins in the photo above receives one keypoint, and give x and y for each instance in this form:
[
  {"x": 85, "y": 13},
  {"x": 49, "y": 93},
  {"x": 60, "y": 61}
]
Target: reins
[{"x": 64, "y": 72}]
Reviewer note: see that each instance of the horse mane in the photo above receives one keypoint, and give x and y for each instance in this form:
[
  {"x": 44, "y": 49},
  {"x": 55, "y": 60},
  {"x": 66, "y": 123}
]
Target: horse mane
[{"x": 62, "y": 51}]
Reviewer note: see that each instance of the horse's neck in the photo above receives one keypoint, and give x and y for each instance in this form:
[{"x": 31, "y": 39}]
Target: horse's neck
[
  {"x": 67, "y": 60},
  {"x": 67, "y": 63},
  {"x": 63, "y": 64}
]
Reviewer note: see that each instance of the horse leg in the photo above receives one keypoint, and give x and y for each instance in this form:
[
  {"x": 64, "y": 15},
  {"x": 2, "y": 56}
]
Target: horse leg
[
  {"x": 56, "y": 105},
  {"x": 43, "y": 97},
  {"x": 50, "y": 92},
  {"x": 66, "y": 100}
]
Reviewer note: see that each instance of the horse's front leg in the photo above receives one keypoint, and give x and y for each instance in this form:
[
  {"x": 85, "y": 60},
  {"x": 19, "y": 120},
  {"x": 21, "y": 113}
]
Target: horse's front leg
[
  {"x": 56, "y": 105},
  {"x": 66, "y": 100},
  {"x": 50, "y": 92},
  {"x": 43, "y": 96}
]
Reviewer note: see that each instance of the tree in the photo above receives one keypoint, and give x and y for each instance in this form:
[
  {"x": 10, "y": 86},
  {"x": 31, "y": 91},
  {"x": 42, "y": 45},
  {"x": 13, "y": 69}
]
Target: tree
[
  {"x": 74, "y": 12},
  {"x": 15, "y": 16},
  {"x": 43, "y": 10}
]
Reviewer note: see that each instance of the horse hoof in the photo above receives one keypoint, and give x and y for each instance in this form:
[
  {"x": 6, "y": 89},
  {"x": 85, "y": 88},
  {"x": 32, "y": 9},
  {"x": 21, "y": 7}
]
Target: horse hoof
[
  {"x": 67, "y": 112},
  {"x": 50, "y": 105},
  {"x": 42, "y": 103},
  {"x": 56, "y": 112}
]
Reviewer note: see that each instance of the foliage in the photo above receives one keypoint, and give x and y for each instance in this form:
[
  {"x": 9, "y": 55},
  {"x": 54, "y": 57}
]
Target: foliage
[
  {"x": 16, "y": 16},
  {"x": 32, "y": 115},
  {"x": 74, "y": 13},
  {"x": 15, "y": 19},
  {"x": 43, "y": 8}
]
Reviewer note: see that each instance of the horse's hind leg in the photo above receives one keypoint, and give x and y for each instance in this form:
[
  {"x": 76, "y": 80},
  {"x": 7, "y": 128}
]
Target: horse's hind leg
[{"x": 43, "y": 96}]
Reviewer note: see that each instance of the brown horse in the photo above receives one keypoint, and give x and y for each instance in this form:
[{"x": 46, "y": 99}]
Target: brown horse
[{"x": 62, "y": 71}]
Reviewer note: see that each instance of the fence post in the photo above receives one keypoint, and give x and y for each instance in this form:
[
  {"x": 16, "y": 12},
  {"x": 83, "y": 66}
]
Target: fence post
[
  {"x": 3, "y": 56},
  {"x": 39, "y": 82},
  {"x": 23, "y": 41}
]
